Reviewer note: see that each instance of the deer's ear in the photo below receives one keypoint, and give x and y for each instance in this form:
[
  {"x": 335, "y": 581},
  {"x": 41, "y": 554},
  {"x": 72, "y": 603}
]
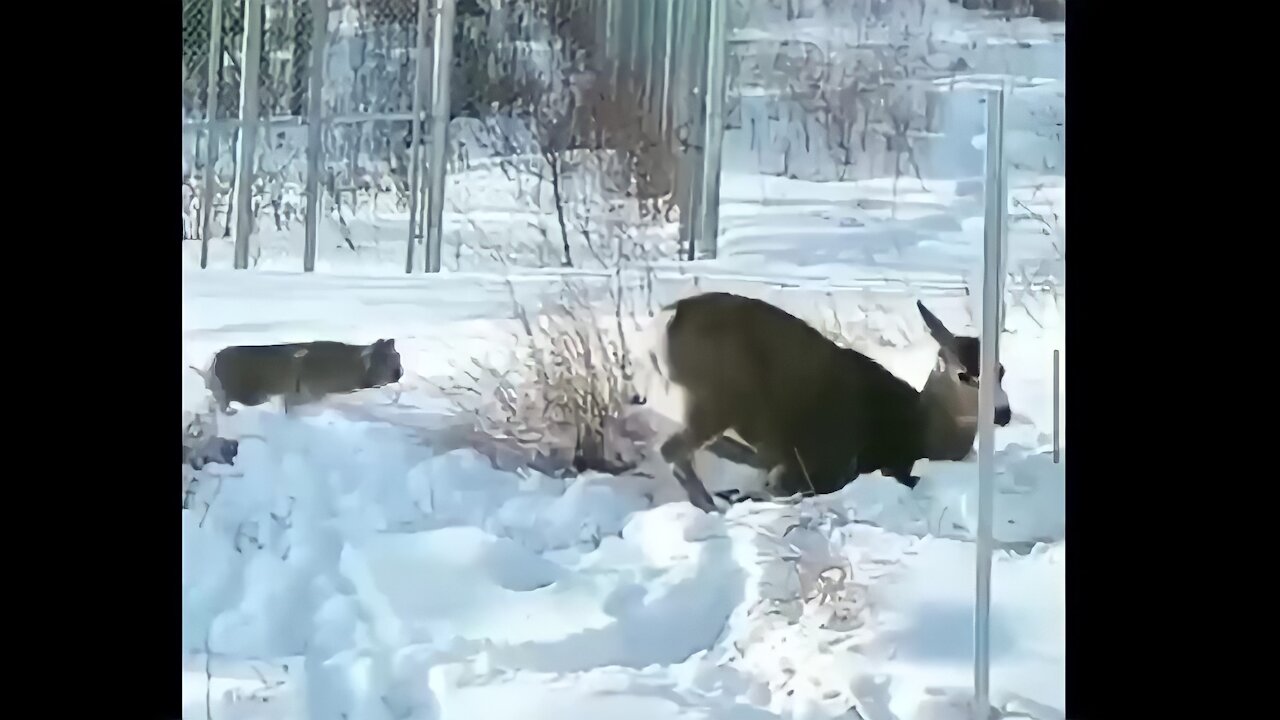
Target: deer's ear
[{"x": 936, "y": 328}]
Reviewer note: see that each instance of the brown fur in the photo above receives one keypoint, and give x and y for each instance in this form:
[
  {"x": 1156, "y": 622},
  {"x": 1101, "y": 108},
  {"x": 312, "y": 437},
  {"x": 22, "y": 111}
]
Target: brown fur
[
  {"x": 299, "y": 372},
  {"x": 818, "y": 414}
]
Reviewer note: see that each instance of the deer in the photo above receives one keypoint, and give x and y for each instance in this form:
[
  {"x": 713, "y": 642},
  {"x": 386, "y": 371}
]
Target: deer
[{"x": 817, "y": 415}]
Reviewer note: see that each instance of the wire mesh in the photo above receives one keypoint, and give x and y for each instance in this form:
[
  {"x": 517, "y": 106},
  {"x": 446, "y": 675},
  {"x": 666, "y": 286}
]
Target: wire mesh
[
  {"x": 541, "y": 69},
  {"x": 372, "y": 67},
  {"x": 195, "y": 58},
  {"x": 286, "y": 57},
  {"x": 566, "y": 104},
  {"x": 370, "y": 70},
  {"x": 852, "y": 104}
]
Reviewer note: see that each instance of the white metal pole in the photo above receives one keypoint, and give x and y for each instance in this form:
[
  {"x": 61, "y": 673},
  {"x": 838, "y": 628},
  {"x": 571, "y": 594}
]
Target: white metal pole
[
  {"x": 211, "y": 139},
  {"x": 315, "y": 128},
  {"x": 1057, "y": 406},
  {"x": 668, "y": 50},
  {"x": 687, "y": 120},
  {"x": 611, "y": 40},
  {"x": 441, "y": 66},
  {"x": 421, "y": 69},
  {"x": 992, "y": 281},
  {"x": 250, "y": 111},
  {"x": 648, "y": 57},
  {"x": 713, "y": 130}
]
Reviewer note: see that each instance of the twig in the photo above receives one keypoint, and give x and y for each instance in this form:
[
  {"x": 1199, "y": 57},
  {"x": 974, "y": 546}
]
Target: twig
[
  {"x": 804, "y": 470},
  {"x": 208, "y": 674},
  {"x": 209, "y": 503}
]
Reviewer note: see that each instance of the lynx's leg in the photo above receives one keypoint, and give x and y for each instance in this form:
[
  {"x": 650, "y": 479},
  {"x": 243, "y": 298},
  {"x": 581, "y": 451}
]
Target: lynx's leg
[
  {"x": 292, "y": 400},
  {"x": 701, "y": 426}
]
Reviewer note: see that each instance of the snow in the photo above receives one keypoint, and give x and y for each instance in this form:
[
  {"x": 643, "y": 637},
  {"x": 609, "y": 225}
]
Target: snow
[
  {"x": 362, "y": 559},
  {"x": 395, "y": 578}
]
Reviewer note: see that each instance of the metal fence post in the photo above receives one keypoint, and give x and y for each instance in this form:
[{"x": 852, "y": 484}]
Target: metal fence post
[
  {"x": 315, "y": 127},
  {"x": 712, "y": 131},
  {"x": 250, "y": 111},
  {"x": 611, "y": 40},
  {"x": 1057, "y": 406},
  {"x": 415, "y": 153},
  {"x": 668, "y": 42},
  {"x": 631, "y": 19},
  {"x": 441, "y": 65},
  {"x": 992, "y": 275},
  {"x": 687, "y": 120},
  {"x": 211, "y": 133},
  {"x": 644, "y": 64}
]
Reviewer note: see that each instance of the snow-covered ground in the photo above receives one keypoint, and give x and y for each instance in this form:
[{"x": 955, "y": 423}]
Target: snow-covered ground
[
  {"x": 348, "y": 566},
  {"x": 359, "y": 561}
]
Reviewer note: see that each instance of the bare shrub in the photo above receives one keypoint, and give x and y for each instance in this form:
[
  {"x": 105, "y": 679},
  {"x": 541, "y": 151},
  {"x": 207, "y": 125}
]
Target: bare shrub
[
  {"x": 597, "y": 173},
  {"x": 852, "y": 103},
  {"x": 563, "y": 397}
]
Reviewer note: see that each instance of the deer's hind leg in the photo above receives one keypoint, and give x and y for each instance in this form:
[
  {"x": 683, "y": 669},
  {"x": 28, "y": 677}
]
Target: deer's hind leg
[{"x": 702, "y": 425}]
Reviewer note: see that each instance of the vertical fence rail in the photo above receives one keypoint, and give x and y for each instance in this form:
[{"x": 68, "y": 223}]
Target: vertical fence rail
[
  {"x": 689, "y": 118},
  {"x": 996, "y": 194},
  {"x": 1057, "y": 407},
  {"x": 212, "y": 139},
  {"x": 622, "y": 33},
  {"x": 441, "y": 65},
  {"x": 644, "y": 65},
  {"x": 315, "y": 127},
  {"x": 415, "y": 150},
  {"x": 634, "y": 33},
  {"x": 250, "y": 114},
  {"x": 668, "y": 43},
  {"x": 712, "y": 129}
]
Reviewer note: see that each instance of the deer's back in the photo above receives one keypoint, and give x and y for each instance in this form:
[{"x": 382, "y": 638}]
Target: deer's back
[
  {"x": 722, "y": 345},
  {"x": 785, "y": 388}
]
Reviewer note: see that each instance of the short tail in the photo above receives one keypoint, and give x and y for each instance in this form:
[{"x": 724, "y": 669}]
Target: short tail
[{"x": 210, "y": 375}]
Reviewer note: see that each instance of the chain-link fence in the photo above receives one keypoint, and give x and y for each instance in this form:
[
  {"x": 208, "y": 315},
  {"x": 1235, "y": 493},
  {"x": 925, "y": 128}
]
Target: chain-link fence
[
  {"x": 571, "y": 83},
  {"x": 664, "y": 61},
  {"x": 671, "y": 54},
  {"x": 604, "y": 122},
  {"x": 353, "y": 147}
]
